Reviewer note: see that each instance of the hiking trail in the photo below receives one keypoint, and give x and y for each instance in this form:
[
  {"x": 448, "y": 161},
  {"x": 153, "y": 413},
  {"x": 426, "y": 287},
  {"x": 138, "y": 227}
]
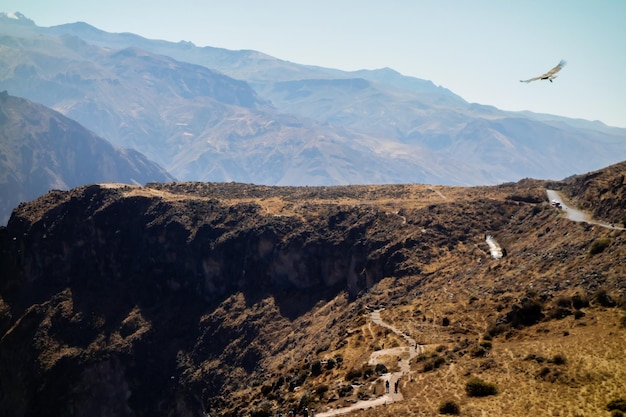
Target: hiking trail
[{"x": 404, "y": 362}]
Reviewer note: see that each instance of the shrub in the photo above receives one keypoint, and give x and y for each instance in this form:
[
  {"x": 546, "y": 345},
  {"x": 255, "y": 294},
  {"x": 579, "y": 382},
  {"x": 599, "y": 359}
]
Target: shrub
[
  {"x": 529, "y": 313},
  {"x": 599, "y": 245},
  {"x": 563, "y": 301},
  {"x": 618, "y": 404},
  {"x": 559, "y": 359},
  {"x": 450, "y": 407},
  {"x": 368, "y": 371},
  {"x": 316, "y": 367},
  {"x": 330, "y": 364},
  {"x": 478, "y": 352},
  {"x": 604, "y": 299},
  {"x": 560, "y": 313},
  {"x": 579, "y": 301},
  {"x": 445, "y": 322},
  {"x": 543, "y": 372},
  {"x": 322, "y": 348},
  {"x": 320, "y": 390},
  {"x": 476, "y": 387},
  {"x": 345, "y": 390},
  {"x": 353, "y": 374},
  {"x": 381, "y": 369},
  {"x": 434, "y": 363},
  {"x": 497, "y": 329},
  {"x": 486, "y": 344}
]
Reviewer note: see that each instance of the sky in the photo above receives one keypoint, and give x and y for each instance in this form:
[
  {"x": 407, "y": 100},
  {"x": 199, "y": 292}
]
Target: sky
[{"x": 478, "y": 49}]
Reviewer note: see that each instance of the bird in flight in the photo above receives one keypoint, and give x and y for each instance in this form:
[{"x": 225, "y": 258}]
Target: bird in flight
[{"x": 550, "y": 75}]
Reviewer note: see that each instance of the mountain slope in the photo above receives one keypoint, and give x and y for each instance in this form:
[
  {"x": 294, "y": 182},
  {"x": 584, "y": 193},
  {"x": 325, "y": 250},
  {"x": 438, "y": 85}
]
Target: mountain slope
[
  {"x": 201, "y": 125},
  {"x": 234, "y": 299},
  {"x": 400, "y": 128},
  {"x": 41, "y": 149},
  {"x": 416, "y": 112}
]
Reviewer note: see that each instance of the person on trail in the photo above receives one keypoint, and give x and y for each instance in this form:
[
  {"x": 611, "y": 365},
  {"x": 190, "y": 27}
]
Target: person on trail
[
  {"x": 387, "y": 386},
  {"x": 395, "y": 386}
]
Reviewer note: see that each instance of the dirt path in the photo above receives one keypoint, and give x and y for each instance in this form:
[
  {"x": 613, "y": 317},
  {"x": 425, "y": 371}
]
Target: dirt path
[
  {"x": 577, "y": 215},
  {"x": 413, "y": 349}
]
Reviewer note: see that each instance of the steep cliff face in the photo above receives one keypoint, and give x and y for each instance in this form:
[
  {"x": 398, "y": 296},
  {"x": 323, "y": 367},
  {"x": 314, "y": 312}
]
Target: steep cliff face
[
  {"x": 95, "y": 235},
  {"x": 111, "y": 285},
  {"x": 167, "y": 299}
]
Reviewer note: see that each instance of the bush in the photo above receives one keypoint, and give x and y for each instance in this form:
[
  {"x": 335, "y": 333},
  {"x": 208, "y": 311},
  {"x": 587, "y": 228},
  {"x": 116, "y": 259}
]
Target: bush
[
  {"x": 380, "y": 369},
  {"x": 266, "y": 389},
  {"x": 353, "y": 374},
  {"x": 529, "y": 313},
  {"x": 320, "y": 390},
  {"x": 559, "y": 359},
  {"x": 478, "y": 352},
  {"x": 316, "y": 367},
  {"x": 599, "y": 245},
  {"x": 579, "y": 301},
  {"x": 450, "y": 407},
  {"x": 476, "y": 387},
  {"x": 345, "y": 390},
  {"x": 618, "y": 404},
  {"x": 604, "y": 299},
  {"x": 367, "y": 372},
  {"x": 563, "y": 301},
  {"x": 434, "y": 363}
]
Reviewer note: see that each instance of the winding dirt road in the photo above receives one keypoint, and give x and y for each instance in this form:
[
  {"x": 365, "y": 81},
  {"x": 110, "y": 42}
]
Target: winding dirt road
[
  {"x": 412, "y": 348},
  {"x": 577, "y": 215}
]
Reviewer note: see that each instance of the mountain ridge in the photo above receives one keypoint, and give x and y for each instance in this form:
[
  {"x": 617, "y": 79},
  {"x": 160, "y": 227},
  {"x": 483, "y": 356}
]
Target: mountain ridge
[
  {"x": 43, "y": 150},
  {"x": 403, "y": 129}
]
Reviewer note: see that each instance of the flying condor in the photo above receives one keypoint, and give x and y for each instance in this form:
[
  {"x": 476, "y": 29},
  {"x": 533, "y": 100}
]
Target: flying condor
[{"x": 550, "y": 75}]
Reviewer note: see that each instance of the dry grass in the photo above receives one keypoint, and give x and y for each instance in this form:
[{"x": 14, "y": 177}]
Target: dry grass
[{"x": 523, "y": 367}]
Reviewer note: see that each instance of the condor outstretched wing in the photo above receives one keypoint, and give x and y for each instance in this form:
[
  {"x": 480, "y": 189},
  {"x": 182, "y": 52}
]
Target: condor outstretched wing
[{"x": 550, "y": 75}]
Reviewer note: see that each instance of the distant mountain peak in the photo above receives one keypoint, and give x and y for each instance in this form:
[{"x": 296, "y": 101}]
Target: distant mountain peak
[{"x": 15, "y": 17}]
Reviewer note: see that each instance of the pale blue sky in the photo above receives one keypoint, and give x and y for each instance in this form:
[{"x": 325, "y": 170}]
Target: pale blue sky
[{"x": 479, "y": 49}]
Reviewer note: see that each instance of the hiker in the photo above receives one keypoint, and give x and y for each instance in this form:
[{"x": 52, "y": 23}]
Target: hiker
[
  {"x": 387, "y": 386},
  {"x": 395, "y": 386}
]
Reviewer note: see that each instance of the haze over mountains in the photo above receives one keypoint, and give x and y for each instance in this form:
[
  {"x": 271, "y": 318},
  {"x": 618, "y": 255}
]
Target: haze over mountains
[
  {"x": 210, "y": 114},
  {"x": 42, "y": 149}
]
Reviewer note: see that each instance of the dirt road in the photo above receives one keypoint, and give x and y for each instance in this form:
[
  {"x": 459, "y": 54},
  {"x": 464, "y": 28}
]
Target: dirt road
[
  {"x": 405, "y": 355},
  {"x": 577, "y": 215}
]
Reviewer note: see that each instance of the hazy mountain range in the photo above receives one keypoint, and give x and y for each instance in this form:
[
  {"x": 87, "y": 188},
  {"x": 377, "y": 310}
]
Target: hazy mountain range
[
  {"x": 211, "y": 114},
  {"x": 42, "y": 150}
]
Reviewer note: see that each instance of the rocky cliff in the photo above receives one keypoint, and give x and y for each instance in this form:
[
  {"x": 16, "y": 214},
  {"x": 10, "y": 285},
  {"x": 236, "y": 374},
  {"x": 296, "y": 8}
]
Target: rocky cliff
[{"x": 181, "y": 299}]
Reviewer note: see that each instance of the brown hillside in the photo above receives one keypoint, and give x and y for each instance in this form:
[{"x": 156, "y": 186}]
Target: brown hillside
[
  {"x": 236, "y": 300},
  {"x": 601, "y": 192}
]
